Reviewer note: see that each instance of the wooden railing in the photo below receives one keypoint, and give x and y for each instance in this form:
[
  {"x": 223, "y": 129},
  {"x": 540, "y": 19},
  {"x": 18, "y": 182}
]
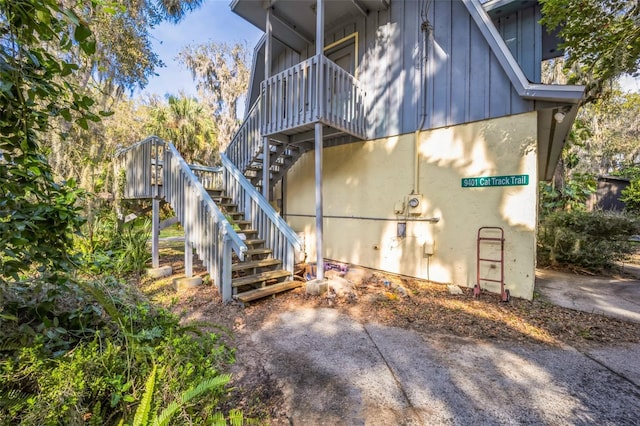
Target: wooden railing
[
  {"x": 290, "y": 98},
  {"x": 138, "y": 170},
  {"x": 342, "y": 105},
  {"x": 209, "y": 177},
  {"x": 247, "y": 141},
  {"x": 205, "y": 226},
  {"x": 277, "y": 234}
]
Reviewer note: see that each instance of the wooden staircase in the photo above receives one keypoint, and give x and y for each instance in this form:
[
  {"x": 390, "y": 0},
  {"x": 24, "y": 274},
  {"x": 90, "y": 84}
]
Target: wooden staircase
[
  {"x": 259, "y": 275},
  {"x": 282, "y": 157}
]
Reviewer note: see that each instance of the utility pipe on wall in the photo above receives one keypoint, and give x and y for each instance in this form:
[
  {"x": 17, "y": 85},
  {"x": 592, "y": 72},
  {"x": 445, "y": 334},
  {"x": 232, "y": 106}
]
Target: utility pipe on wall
[{"x": 425, "y": 27}]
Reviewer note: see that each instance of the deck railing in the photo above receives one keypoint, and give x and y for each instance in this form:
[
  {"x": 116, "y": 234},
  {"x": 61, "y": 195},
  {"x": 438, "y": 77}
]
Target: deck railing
[
  {"x": 162, "y": 172},
  {"x": 138, "y": 170},
  {"x": 277, "y": 234},
  {"x": 209, "y": 177},
  {"x": 290, "y": 98},
  {"x": 247, "y": 141},
  {"x": 343, "y": 98}
]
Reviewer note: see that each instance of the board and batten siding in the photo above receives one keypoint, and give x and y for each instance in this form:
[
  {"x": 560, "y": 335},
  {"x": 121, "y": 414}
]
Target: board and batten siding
[
  {"x": 465, "y": 82},
  {"x": 522, "y": 34}
]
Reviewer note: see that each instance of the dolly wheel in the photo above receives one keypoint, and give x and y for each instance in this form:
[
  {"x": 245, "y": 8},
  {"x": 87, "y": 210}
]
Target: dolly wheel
[{"x": 476, "y": 290}]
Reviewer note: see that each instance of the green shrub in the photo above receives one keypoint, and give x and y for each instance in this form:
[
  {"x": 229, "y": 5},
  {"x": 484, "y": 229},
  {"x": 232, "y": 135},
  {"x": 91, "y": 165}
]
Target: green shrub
[
  {"x": 108, "y": 246},
  {"x": 590, "y": 240},
  {"x": 81, "y": 353},
  {"x": 572, "y": 196},
  {"x": 631, "y": 197}
]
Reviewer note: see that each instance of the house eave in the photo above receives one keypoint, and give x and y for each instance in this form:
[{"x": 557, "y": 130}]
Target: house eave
[
  {"x": 572, "y": 94},
  {"x": 552, "y": 134}
]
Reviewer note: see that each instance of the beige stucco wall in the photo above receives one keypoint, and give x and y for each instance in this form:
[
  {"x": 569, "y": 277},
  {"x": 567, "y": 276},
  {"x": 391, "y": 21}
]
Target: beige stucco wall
[{"x": 368, "y": 180}]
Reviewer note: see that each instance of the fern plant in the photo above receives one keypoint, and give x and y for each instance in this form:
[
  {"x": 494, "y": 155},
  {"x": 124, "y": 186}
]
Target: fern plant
[{"x": 145, "y": 415}]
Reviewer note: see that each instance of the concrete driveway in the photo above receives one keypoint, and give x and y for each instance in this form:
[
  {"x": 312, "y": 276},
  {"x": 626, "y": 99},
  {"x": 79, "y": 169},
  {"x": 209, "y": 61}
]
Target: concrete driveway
[
  {"x": 614, "y": 297},
  {"x": 336, "y": 371}
]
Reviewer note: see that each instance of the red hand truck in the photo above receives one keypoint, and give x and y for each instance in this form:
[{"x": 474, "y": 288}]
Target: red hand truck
[{"x": 487, "y": 237}]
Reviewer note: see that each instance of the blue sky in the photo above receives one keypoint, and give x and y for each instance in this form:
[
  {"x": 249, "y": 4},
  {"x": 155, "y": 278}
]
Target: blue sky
[{"x": 212, "y": 21}]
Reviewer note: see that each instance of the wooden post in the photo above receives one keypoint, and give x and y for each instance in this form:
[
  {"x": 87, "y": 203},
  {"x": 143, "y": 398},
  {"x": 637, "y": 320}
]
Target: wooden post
[
  {"x": 189, "y": 219},
  {"x": 188, "y": 257},
  {"x": 247, "y": 206},
  {"x": 227, "y": 289},
  {"x": 318, "y": 141},
  {"x": 155, "y": 232},
  {"x": 265, "y": 140}
]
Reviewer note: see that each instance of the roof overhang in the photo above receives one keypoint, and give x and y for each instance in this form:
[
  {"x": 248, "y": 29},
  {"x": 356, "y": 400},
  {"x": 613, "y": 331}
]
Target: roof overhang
[
  {"x": 293, "y": 22},
  {"x": 505, "y": 7},
  {"x": 549, "y": 99},
  {"x": 552, "y": 135}
]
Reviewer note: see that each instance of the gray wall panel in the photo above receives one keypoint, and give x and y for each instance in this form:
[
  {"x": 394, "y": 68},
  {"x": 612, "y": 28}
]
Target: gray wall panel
[
  {"x": 411, "y": 68},
  {"x": 441, "y": 64},
  {"x": 465, "y": 81},
  {"x": 522, "y": 33},
  {"x": 479, "y": 58},
  {"x": 499, "y": 90},
  {"x": 460, "y": 72},
  {"x": 396, "y": 45}
]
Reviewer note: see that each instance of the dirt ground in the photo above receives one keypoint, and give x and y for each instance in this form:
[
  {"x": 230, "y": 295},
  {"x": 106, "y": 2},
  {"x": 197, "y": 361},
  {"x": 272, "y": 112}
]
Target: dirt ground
[{"x": 374, "y": 297}]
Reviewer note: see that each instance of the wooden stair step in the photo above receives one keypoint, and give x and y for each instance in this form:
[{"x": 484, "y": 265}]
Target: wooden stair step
[
  {"x": 279, "y": 143},
  {"x": 259, "y": 293},
  {"x": 255, "y": 264},
  {"x": 273, "y": 163},
  {"x": 219, "y": 197},
  {"x": 253, "y": 242},
  {"x": 258, "y": 251},
  {"x": 260, "y": 278},
  {"x": 241, "y": 222},
  {"x": 248, "y": 231}
]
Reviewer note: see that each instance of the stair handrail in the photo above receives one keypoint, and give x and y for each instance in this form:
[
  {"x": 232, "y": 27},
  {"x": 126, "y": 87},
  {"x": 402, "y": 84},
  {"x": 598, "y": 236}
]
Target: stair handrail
[
  {"x": 238, "y": 244},
  {"x": 205, "y": 225},
  {"x": 123, "y": 150},
  {"x": 247, "y": 139},
  {"x": 290, "y": 235}
]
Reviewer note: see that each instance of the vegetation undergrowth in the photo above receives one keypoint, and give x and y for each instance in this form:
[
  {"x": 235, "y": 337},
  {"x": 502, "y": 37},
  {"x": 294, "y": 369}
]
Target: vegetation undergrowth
[
  {"x": 590, "y": 240},
  {"x": 107, "y": 245},
  {"x": 78, "y": 344},
  {"x": 571, "y": 236},
  {"x": 78, "y": 352}
]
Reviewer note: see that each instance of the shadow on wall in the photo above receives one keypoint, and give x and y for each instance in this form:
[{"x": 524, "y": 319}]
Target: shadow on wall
[{"x": 364, "y": 182}]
